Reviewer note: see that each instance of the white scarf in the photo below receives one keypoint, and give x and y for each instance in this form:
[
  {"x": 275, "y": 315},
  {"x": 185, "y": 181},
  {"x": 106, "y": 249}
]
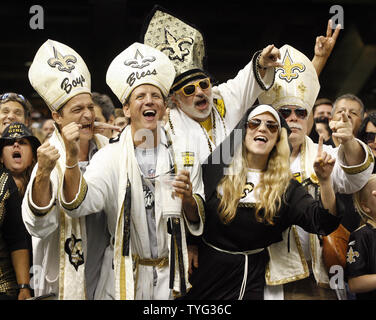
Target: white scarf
[
  {"x": 179, "y": 124},
  {"x": 73, "y": 251},
  {"x": 123, "y": 265}
]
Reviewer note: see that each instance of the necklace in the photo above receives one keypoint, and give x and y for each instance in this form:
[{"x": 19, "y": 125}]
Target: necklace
[{"x": 203, "y": 129}]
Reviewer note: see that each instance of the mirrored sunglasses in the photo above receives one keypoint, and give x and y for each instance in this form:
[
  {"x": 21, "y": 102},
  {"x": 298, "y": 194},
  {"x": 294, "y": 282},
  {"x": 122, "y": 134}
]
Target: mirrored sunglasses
[
  {"x": 255, "y": 123},
  {"x": 8, "y": 95},
  {"x": 301, "y": 113},
  {"x": 190, "y": 89},
  {"x": 370, "y": 137}
]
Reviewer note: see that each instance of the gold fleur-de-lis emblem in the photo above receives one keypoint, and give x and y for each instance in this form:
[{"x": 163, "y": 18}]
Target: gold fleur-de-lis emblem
[
  {"x": 175, "y": 46},
  {"x": 351, "y": 254},
  {"x": 63, "y": 63},
  {"x": 290, "y": 69},
  {"x": 139, "y": 61}
]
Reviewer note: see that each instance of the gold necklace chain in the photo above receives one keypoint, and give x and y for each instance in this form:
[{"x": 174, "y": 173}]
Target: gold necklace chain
[{"x": 203, "y": 129}]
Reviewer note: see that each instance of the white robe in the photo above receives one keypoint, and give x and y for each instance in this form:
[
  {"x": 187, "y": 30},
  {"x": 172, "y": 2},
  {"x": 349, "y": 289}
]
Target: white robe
[
  {"x": 106, "y": 180},
  {"x": 50, "y": 273},
  {"x": 292, "y": 266},
  {"x": 232, "y": 99}
]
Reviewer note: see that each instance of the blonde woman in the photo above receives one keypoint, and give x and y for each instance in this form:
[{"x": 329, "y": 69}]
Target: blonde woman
[
  {"x": 361, "y": 254},
  {"x": 251, "y": 198}
]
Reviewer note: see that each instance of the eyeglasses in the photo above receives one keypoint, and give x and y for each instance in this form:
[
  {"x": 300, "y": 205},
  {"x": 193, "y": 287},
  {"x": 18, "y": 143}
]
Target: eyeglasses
[
  {"x": 370, "y": 137},
  {"x": 301, "y": 113},
  {"x": 9, "y": 95},
  {"x": 255, "y": 123},
  {"x": 190, "y": 89}
]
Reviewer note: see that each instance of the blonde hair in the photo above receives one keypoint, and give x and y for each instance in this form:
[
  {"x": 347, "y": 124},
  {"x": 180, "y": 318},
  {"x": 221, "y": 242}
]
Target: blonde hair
[
  {"x": 360, "y": 197},
  {"x": 269, "y": 191}
]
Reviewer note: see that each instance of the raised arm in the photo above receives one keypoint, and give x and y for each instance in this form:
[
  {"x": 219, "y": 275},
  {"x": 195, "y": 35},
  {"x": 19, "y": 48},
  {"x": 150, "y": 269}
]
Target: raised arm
[
  {"x": 72, "y": 175},
  {"x": 268, "y": 59},
  {"x": 342, "y": 131},
  {"x": 323, "y": 166},
  {"x": 324, "y": 47},
  {"x": 42, "y": 190}
]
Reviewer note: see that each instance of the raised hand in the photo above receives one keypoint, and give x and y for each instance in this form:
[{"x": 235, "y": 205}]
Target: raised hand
[
  {"x": 325, "y": 45},
  {"x": 342, "y": 129},
  {"x": 47, "y": 157},
  {"x": 269, "y": 57},
  {"x": 324, "y": 163},
  {"x": 71, "y": 137}
]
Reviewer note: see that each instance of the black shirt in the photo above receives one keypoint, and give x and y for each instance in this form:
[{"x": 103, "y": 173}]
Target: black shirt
[{"x": 361, "y": 256}]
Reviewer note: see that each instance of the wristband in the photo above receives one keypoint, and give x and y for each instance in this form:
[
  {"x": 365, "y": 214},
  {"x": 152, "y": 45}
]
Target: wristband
[
  {"x": 71, "y": 167},
  {"x": 24, "y": 286}
]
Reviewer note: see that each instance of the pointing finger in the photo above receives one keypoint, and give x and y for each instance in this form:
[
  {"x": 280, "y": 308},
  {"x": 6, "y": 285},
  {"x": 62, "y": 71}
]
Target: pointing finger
[
  {"x": 329, "y": 29},
  {"x": 319, "y": 149},
  {"x": 103, "y": 125},
  {"x": 344, "y": 116}
]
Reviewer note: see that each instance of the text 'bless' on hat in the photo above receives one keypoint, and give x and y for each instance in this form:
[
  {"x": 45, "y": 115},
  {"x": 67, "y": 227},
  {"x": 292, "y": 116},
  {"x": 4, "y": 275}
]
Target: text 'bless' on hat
[{"x": 139, "y": 64}]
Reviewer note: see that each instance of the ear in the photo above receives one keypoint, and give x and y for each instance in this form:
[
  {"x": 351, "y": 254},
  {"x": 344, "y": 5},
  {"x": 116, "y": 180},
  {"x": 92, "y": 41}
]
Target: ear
[
  {"x": 174, "y": 99},
  {"x": 127, "y": 110},
  {"x": 57, "y": 117},
  {"x": 365, "y": 208}
]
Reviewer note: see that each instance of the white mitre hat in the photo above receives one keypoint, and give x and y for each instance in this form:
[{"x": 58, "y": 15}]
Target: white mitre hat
[
  {"x": 139, "y": 64},
  {"x": 58, "y": 73},
  {"x": 295, "y": 84}
]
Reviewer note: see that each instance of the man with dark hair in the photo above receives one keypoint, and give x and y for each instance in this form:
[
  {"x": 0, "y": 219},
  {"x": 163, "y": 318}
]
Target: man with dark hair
[
  {"x": 14, "y": 107},
  {"x": 319, "y": 125},
  {"x": 104, "y": 111},
  {"x": 69, "y": 251}
]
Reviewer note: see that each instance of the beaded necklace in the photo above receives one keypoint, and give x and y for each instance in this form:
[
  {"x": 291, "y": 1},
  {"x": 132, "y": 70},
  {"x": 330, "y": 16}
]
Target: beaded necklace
[{"x": 203, "y": 129}]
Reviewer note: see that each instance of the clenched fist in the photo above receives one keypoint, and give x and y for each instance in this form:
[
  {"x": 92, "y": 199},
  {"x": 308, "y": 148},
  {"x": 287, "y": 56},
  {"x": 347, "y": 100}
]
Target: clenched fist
[{"x": 47, "y": 156}]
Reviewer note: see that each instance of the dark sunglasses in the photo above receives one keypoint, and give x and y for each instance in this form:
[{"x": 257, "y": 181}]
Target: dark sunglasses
[
  {"x": 190, "y": 89},
  {"x": 11, "y": 142},
  {"x": 370, "y": 137},
  {"x": 8, "y": 95},
  {"x": 271, "y": 125},
  {"x": 301, "y": 113}
]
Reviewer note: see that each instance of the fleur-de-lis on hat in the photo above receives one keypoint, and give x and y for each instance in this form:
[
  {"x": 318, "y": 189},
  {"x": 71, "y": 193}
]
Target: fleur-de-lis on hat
[
  {"x": 175, "y": 46},
  {"x": 289, "y": 68},
  {"x": 139, "y": 61},
  {"x": 63, "y": 63}
]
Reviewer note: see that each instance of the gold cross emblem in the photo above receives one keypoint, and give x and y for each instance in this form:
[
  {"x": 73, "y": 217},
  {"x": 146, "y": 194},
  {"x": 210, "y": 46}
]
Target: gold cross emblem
[
  {"x": 63, "y": 63},
  {"x": 289, "y": 70},
  {"x": 188, "y": 159},
  {"x": 351, "y": 254},
  {"x": 175, "y": 46}
]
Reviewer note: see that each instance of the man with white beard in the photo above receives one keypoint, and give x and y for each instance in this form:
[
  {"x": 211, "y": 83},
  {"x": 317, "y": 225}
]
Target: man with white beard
[
  {"x": 301, "y": 269},
  {"x": 207, "y": 113}
]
